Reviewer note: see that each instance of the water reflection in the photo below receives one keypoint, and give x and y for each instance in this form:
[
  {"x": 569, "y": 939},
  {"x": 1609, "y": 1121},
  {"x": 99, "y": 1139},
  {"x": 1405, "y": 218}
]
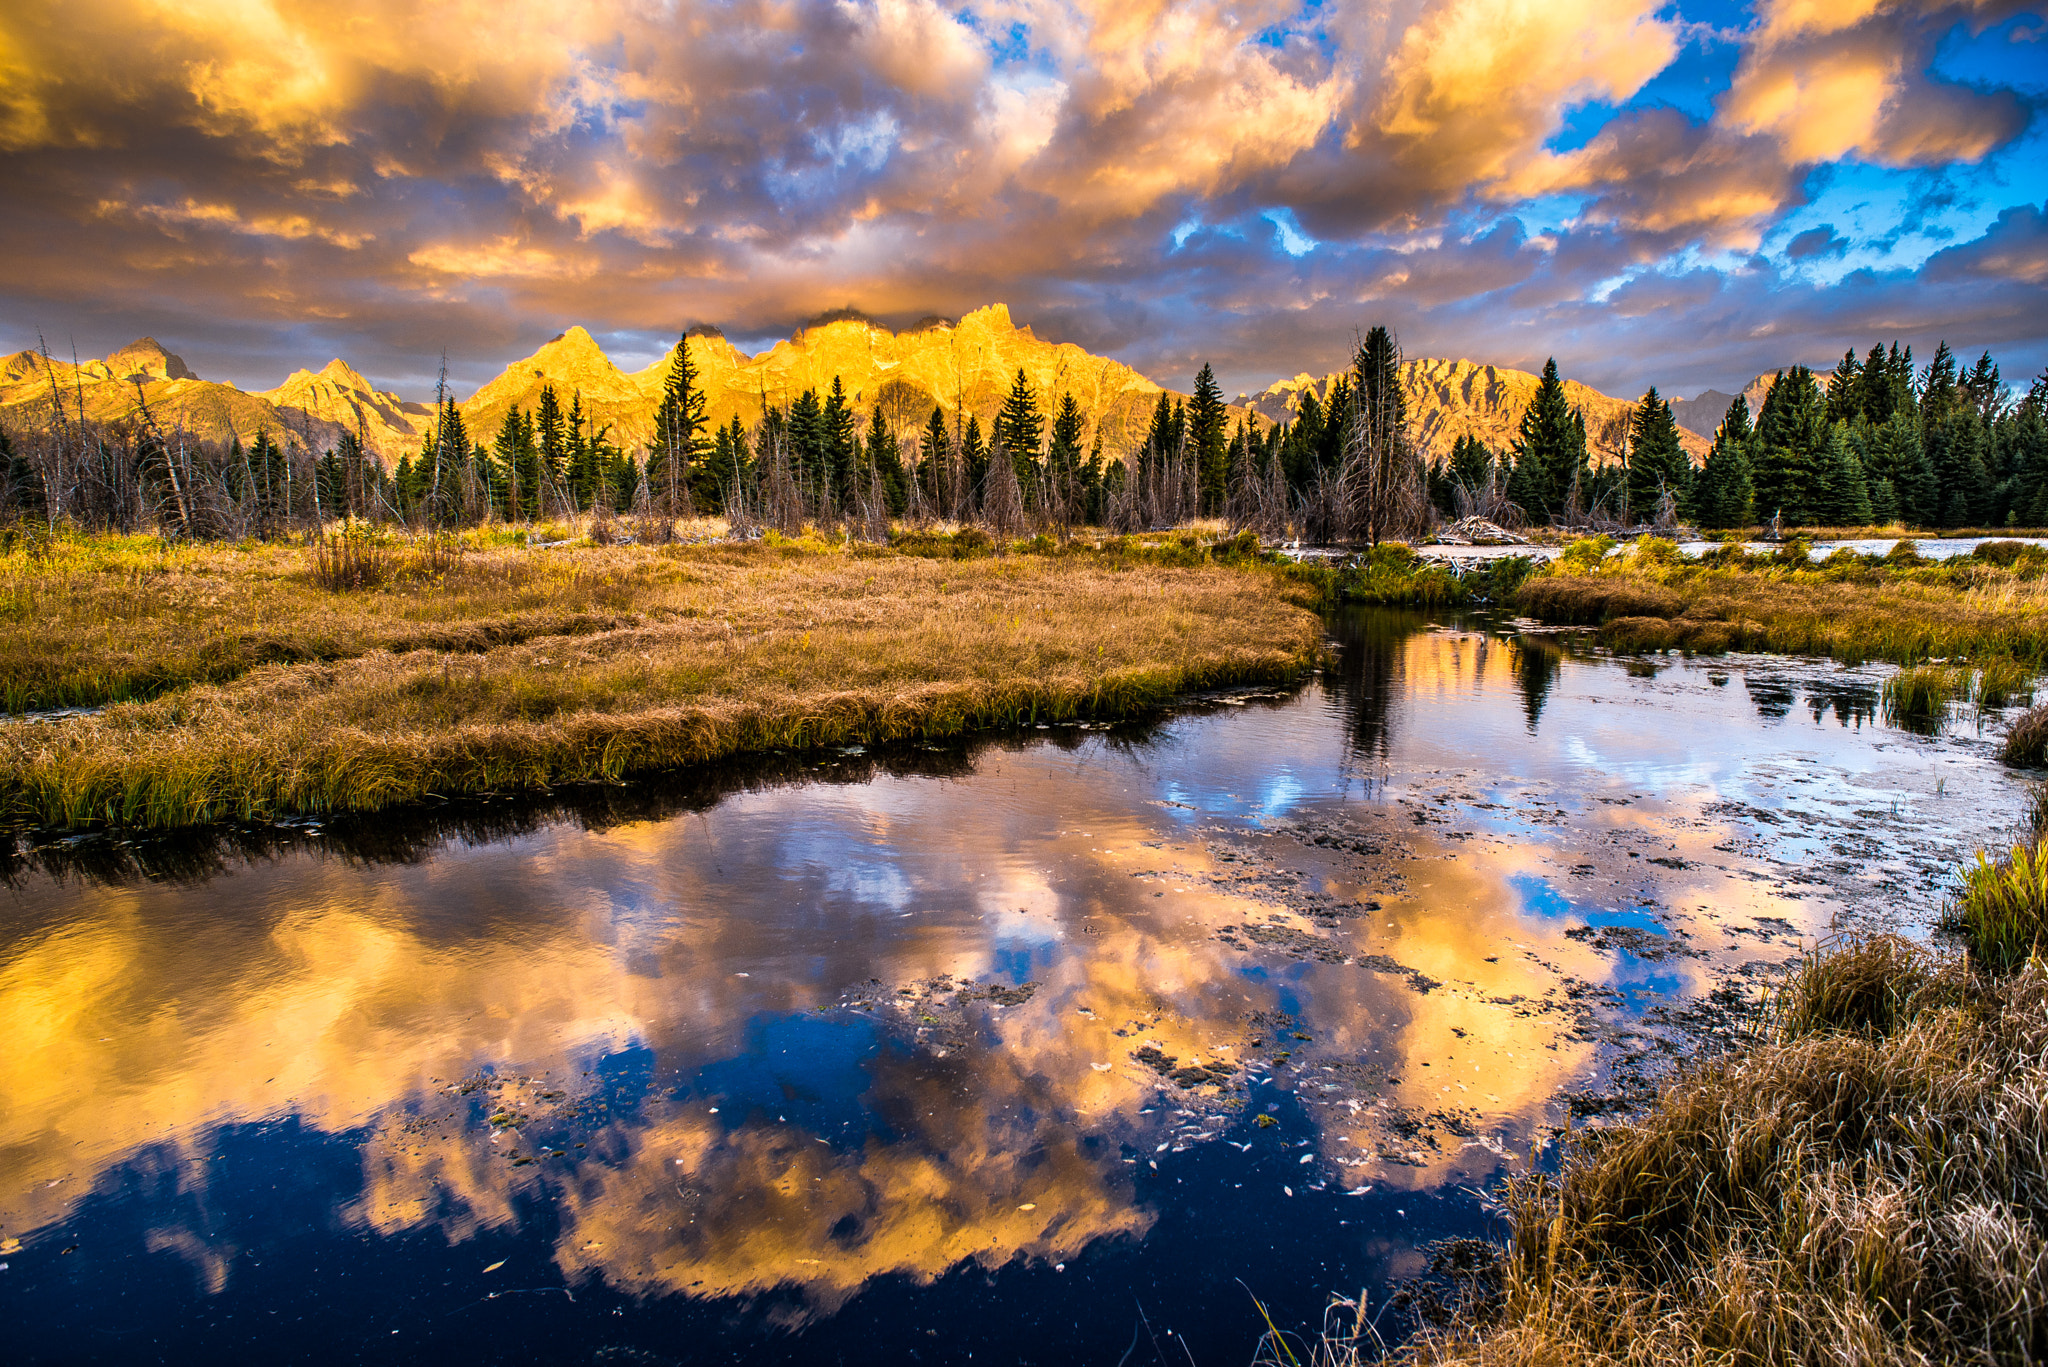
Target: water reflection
[{"x": 837, "y": 1021}]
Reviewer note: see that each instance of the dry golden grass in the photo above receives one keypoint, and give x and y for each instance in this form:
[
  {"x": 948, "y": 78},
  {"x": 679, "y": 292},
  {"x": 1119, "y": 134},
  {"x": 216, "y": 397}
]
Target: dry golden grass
[
  {"x": 100, "y": 619},
  {"x": 1868, "y": 1191},
  {"x": 1864, "y": 1183},
  {"x": 1850, "y": 609},
  {"x": 512, "y": 669}
]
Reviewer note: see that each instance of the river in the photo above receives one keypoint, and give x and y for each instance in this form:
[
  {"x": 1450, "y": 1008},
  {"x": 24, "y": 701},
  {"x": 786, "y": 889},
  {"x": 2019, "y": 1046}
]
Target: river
[{"x": 1057, "y": 1047}]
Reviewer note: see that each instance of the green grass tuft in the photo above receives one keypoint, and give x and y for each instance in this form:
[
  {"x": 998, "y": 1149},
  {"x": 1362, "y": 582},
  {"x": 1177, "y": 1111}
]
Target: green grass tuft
[{"x": 2002, "y": 908}]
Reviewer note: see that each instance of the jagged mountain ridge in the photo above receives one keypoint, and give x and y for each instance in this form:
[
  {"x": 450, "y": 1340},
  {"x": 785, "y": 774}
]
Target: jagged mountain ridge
[
  {"x": 1703, "y": 413},
  {"x": 144, "y": 377},
  {"x": 1452, "y": 399},
  {"x": 966, "y": 364}
]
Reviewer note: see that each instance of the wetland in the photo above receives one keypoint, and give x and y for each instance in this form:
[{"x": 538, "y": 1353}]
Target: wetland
[{"x": 1076, "y": 1042}]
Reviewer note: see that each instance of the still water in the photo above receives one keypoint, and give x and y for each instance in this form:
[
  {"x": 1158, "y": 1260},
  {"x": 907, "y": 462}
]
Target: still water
[{"x": 1058, "y": 1048}]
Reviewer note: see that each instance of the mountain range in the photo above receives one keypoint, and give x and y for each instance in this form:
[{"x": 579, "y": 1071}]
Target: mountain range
[{"x": 966, "y": 364}]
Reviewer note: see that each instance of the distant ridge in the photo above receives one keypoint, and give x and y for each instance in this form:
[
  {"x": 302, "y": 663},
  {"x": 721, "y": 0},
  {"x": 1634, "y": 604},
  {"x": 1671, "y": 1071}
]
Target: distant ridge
[
  {"x": 960, "y": 366},
  {"x": 1452, "y": 399}
]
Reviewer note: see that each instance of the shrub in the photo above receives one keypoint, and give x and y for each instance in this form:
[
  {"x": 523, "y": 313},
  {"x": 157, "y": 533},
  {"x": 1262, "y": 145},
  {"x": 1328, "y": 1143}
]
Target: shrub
[
  {"x": 1587, "y": 552},
  {"x": 1859, "y": 1184},
  {"x": 1798, "y": 553},
  {"x": 1655, "y": 550},
  {"x": 1595, "y": 598},
  {"x": 2002, "y": 682}
]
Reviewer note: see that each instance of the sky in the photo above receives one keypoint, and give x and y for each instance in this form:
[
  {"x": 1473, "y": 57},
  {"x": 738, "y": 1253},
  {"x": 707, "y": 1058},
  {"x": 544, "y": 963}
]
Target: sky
[{"x": 1681, "y": 194}]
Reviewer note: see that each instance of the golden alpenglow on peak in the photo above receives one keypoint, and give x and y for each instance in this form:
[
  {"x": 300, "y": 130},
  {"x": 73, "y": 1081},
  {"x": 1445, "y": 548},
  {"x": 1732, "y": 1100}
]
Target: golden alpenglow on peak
[
  {"x": 339, "y": 397},
  {"x": 147, "y": 358},
  {"x": 965, "y": 366},
  {"x": 1451, "y": 399}
]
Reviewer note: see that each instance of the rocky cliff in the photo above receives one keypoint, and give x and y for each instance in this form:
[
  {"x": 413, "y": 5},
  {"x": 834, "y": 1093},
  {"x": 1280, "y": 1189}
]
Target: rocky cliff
[{"x": 338, "y": 396}]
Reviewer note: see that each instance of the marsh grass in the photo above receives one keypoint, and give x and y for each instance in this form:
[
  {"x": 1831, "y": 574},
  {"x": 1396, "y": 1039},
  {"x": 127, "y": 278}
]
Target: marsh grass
[
  {"x": 1866, "y": 1182},
  {"x": 1855, "y": 608},
  {"x": 2001, "y": 909},
  {"x": 1917, "y": 699},
  {"x": 2003, "y": 683},
  {"x": 2026, "y": 740},
  {"x": 349, "y": 559},
  {"x": 485, "y": 669}
]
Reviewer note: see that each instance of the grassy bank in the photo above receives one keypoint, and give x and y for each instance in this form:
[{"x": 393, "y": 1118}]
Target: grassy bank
[
  {"x": 1852, "y": 607},
  {"x": 1866, "y": 1182},
  {"x": 472, "y": 668}
]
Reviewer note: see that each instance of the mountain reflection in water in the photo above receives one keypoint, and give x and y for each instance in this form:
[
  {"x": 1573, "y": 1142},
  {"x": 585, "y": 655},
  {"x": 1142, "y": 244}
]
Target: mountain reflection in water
[{"x": 805, "y": 1029}]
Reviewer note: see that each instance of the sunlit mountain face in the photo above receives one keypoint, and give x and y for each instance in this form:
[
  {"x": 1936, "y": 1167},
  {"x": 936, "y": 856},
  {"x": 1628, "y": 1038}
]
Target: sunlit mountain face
[{"x": 1674, "y": 193}]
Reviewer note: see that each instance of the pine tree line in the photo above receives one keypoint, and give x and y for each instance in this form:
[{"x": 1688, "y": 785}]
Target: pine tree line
[{"x": 1878, "y": 444}]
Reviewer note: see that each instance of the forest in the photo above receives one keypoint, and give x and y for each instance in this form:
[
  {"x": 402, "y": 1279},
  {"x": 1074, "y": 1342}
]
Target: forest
[{"x": 1876, "y": 442}]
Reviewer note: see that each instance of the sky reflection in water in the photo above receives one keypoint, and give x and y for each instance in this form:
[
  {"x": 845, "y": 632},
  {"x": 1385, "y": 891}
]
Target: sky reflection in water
[{"x": 775, "y": 1043}]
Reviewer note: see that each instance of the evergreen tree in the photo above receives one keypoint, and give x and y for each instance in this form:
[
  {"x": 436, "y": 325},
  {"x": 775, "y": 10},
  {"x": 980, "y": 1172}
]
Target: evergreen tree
[
  {"x": 1791, "y": 443},
  {"x": 24, "y": 485},
  {"x": 1892, "y": 455},
  {"x": 1063, "y": 456},
  {"x": 809, "y": 445},
  {"x": 1844, "y": 495},
  {"x": 583, "y": 458},
  {"x": 2024, "y": 435},
  {"x": 553, "y": 440},
  {"x": 1874, "y": 397},
  {"x": 1390, "y": 476},
  {"x": 1337, "y": 416},
  {"x": 842, "y": 442},
  {"x": 1471, "y": 464},
  {"x": 1159, "y": 437},
  {"x": 1207, "y": 421},
  {"x": 885, "y": 458},
  {"x": 1939, "y": 392},
  {"x": 974, "y": 455},
  {"x": 932, "y": 450},
  {"x": 679, "y": 442},
  {"x": 1983, "y": 392},
  {"x": 1845, "y": 390},
  {"x": 1018, "y": 428},
  {"x": 1955, "y": 450},
  {"x": 329, "y": 484},
  {"x": 1722, "y": 495},
  {"x": 515, "y": 462},
  {"x": 722, "y": 474},
  {"x": 408, "y": 489},
  {"x": 450, "y": 455},
  {"x": 1552, "y": 466},
  {"x": 1303, "y": 440},
  {"x": 1657, "y": 464}
]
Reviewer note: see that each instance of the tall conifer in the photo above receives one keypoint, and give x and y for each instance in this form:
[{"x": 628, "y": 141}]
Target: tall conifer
[
  {"x": 679, "y": 440},
  {"x": 1207, "y": 422}
]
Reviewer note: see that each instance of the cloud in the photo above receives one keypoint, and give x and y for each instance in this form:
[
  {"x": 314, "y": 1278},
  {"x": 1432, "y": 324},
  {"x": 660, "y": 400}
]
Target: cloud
[
  {"x": 1829, "y": 80},
  {"x": 397, "y": 177},
  {"x": 1820, "y": 241}
]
